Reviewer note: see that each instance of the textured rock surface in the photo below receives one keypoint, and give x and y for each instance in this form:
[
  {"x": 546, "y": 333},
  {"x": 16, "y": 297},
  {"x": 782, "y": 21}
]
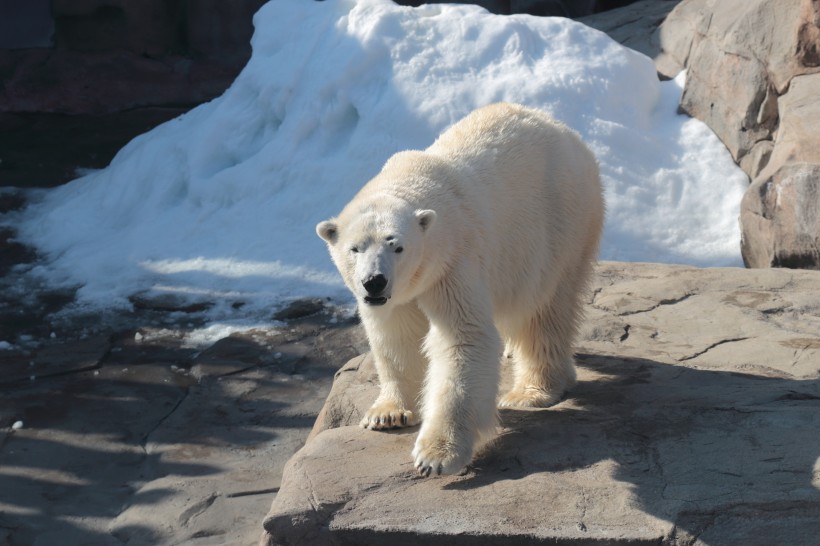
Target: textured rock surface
[
  {"x": 693, "y": 423},
  {"x": 752, "y": 77},
  {"x": 111, "y": 55},
  {"x": 780, "y": 213},
  {"x": 637, "y": 26},
  {"x": 741, "y": 58},
  {"x": 129, "y": 435},
  {"x": 561, "y": 8}
]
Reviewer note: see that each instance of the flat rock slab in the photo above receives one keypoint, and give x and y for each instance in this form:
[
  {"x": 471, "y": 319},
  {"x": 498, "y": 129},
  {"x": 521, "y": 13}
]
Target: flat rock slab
[
  {"x": 694, "y": 421},
  {"x": 131, "y": 437}
]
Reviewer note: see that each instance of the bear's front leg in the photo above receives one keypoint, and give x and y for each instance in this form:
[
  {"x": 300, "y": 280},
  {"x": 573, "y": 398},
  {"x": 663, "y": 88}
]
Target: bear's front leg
[
  {"x": 395, "y": 337},
  {"x": 464, "y": 349}
]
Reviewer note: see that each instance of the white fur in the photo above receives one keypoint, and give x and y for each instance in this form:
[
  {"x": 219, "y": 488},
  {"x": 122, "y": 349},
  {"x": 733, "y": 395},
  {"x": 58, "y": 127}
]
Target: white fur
[{"x": 498, "y": 224}]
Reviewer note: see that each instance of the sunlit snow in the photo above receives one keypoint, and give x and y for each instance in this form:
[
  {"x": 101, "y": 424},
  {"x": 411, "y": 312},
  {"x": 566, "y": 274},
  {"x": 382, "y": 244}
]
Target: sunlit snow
[{"x": 221, "y": 202}]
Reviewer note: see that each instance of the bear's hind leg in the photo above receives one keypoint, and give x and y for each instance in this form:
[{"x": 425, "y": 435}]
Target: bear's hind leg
[
  {"x": 543, "y": 363},
  {"x": 395, "y": 342}
]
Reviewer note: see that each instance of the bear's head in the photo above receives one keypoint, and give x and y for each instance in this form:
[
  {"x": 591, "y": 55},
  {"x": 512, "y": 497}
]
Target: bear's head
[{"x": 379, "y": 251}]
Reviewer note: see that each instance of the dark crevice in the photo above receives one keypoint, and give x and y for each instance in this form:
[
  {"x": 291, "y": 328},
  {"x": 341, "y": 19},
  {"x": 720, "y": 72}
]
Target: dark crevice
[
  {"x": 252, "y": 492},
  {"x": 145, "y": 438},
  {"x": 712, "y": 346}
]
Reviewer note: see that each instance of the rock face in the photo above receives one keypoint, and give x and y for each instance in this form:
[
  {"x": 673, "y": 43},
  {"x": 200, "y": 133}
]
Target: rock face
[
  {"x": 780, "y": 212},
  {"x": 561, "y": 8},
  {"x": 106, "y": 56},
  {"x": 692, "y": 423},
  {"x": 752, "y": 77},
  {"x": 636, "y": 26}
]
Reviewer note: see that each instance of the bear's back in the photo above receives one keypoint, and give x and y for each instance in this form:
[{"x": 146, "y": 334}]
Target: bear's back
[{"x": 534, "y": 189}]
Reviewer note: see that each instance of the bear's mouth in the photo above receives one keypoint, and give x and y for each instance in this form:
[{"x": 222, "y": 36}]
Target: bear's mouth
[{"x": 381, "y": 300}]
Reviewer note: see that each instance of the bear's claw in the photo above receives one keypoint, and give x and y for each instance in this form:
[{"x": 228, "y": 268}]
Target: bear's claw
[
  {"x": 382, "y": 417},
  {"x": 425, "y": 471},
  {"x": 439, "y": 457}
]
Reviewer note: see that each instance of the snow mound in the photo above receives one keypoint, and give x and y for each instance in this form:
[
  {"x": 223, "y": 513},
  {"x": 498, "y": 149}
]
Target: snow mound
[{"x": 221, "y": 203}]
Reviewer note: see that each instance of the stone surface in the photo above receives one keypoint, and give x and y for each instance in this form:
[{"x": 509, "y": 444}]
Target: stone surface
[
  {"x": 561, "y": 8},
  {"x": 740, "y": 56},
  {"x": 690, "y": 424},
  {"x": 551, "y": 8},
  {"x": 780, "y": 213},
  {"x": 45, "y": 150},
  {"x": 753, "y": 76},
  {"x": 102, "y": 82},
  {"x": 112, "y": 55},
  {"x": 780, "y": 219},
  {"x": 637, "y": 26}
]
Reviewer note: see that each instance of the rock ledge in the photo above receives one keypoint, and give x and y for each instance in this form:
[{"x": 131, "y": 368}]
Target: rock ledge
[{"x": 693, "y": 422}]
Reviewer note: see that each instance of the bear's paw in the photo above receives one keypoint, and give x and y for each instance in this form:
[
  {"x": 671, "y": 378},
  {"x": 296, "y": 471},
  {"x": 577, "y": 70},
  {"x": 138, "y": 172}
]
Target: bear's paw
[
  {"x": 530, "y": 398},
  {"x": 387, "y": 415},
  {"x": 438, "y": 454}
]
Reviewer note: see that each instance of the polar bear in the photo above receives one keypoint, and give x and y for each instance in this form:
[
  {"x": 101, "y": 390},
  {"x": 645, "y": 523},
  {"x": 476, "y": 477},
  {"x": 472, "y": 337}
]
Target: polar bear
[{"x": 486, "y": 237}]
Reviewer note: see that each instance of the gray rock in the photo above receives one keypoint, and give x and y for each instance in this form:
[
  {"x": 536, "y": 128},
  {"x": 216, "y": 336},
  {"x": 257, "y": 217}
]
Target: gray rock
[
  {"x": 300, "y": 309},
  {"x": 780, "y": 213},
  {"x": 143, "y": 440},
  {"x": 780, "y": 219},
  {"x": 561, "y": 8},
  {"x": 548, "y": 8},
  {"x": 167, "y": 302},
  {"x": 110, "y": 55},
  {"x": 637, "y": 26},
  {"x": 689, "y": 425}
]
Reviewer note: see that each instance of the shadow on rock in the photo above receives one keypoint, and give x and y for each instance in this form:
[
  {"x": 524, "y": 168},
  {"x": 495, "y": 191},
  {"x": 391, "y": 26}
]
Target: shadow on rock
[
  {"x": 151, "y": 435},
  {"x": 702, "y": 449}
]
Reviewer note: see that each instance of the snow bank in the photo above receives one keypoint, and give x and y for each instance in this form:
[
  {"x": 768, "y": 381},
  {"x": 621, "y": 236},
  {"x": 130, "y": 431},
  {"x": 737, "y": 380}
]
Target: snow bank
[{"x": 221, "y": 203}]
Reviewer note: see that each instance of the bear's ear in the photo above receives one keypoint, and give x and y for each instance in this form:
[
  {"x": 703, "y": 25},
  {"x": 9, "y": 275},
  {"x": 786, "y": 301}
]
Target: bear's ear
[
  {"x": 425, "y": 218},
  {"x": 328, "y": 231}
]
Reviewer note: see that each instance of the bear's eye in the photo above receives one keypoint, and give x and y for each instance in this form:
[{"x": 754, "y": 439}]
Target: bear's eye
[
  {"x": 354, "y": 250},
  {"x": 399, "y": 249}
]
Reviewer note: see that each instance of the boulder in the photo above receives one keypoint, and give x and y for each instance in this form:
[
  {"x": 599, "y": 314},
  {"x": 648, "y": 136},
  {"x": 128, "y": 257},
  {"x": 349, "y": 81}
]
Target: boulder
[
  {"x": 752, "y": 77},
  {"x": 689, "y": 425},
  {"x": 551, "y": 8},
  {"x": 114, "y": 55},
  {"x": 561, "y": 8},
  {"x": 740, "y": 56},
  {"x": 780, "y": 213}
]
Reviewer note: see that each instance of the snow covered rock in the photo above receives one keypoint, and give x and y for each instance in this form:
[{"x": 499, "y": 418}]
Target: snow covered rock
[
  {"x": 219, "y": 204},
  {"x": 690, "y": 420}
]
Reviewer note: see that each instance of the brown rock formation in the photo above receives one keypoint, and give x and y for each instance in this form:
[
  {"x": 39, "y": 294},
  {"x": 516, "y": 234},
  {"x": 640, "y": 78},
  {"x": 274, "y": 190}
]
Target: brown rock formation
[{"x": 751, "y": 77}]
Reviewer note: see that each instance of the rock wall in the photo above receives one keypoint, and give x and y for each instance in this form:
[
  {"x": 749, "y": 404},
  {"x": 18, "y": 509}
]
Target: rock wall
[
  {"x": 692, "y": 423},
  {"x": 560, "y": 8},
  {"x": 106, "y": 56},
  {"x": 753, "y": 78}
]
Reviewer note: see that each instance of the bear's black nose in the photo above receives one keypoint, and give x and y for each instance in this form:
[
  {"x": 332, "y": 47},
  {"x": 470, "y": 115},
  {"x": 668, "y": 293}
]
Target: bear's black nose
[{"x": 375, "y": 284}]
